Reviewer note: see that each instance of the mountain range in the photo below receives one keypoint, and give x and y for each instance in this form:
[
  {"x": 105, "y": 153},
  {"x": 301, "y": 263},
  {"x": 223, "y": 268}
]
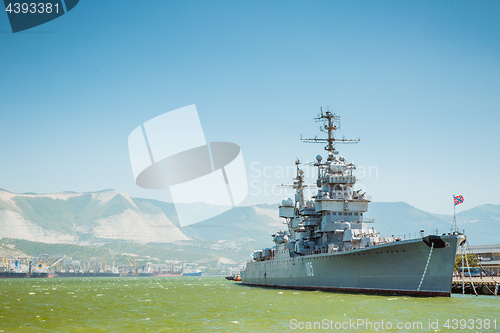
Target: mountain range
[{"x": 107, "y": 216}]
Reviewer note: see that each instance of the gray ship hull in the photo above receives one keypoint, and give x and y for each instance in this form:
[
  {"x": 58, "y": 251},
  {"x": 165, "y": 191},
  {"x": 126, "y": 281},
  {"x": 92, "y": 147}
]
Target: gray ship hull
[{"x": 393, "y": 268}]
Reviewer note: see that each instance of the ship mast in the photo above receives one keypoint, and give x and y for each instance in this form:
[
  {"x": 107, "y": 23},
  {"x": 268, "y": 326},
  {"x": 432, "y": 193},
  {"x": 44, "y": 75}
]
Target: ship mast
[
  {"x": 331, "y": 124},
  {"x": 299, "y": 185}
]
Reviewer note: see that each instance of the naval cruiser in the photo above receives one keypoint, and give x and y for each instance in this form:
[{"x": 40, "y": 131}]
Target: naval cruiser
[{"x": 330, "y": 246}]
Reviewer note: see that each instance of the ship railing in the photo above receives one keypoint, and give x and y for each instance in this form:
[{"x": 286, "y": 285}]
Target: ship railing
[
  {"x": 317, "y": 251},
  {"x": 417, "y": 235}
]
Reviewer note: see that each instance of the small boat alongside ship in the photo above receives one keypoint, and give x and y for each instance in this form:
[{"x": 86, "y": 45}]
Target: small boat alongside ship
[{"x": 234, "y": 277}]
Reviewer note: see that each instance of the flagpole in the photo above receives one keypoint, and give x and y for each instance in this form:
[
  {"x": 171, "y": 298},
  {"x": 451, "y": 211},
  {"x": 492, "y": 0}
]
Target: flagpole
[
  {"x": 455, "y": 216},
  {"x": 454, "y": 213}
]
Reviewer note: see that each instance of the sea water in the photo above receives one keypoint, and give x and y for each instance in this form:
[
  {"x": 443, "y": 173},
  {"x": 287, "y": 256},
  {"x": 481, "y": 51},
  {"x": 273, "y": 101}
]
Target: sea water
[{"x": 213, "y": 304}]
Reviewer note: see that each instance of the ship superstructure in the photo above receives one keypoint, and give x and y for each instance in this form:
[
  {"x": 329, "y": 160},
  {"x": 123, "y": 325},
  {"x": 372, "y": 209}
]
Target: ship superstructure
[{"x": 329, "y": 245}]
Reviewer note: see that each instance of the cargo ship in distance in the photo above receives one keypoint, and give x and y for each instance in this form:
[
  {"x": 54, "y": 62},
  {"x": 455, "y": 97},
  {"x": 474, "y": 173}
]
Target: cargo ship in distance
[
  {"x": 73, "y": 273},
  {"x": 192, "y": 273},
  {"x": 329, "y": 246}
]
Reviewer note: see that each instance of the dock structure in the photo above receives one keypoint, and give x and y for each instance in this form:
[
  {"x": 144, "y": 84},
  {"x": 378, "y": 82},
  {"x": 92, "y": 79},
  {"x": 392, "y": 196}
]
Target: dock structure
[
  {"x": 483, "y": 279},
  {"x": 476, "y": 285},
  {"x": 489, "y": 257}
]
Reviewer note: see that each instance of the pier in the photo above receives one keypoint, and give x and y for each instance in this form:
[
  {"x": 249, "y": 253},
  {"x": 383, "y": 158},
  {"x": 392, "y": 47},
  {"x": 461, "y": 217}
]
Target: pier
[{"x": 484, "y": 286}]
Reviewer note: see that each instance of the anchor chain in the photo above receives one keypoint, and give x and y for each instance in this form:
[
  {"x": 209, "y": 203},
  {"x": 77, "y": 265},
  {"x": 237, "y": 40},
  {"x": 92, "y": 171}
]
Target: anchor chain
[{"x": 426, "y": 265}]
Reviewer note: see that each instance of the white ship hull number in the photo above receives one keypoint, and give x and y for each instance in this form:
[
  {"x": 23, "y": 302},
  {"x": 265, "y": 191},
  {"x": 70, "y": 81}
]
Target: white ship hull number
[{"x": 309, "y": 269}]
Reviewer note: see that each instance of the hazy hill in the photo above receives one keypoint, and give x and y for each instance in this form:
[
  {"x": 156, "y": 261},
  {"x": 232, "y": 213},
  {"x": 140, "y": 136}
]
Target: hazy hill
[
  {"x": 108, "y": 216},
  {"x": 9, "y": 251},
  {"x": 81, "y": 217},
  {"x": 481, "y": 224}
]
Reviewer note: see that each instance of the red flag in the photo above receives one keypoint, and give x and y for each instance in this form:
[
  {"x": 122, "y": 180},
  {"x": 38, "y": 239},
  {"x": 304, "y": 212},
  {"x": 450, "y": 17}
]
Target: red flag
[{"x": 458, "y": 199}]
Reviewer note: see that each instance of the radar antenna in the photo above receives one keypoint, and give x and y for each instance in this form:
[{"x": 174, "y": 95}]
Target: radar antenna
[{"x": 331, "y": 123}]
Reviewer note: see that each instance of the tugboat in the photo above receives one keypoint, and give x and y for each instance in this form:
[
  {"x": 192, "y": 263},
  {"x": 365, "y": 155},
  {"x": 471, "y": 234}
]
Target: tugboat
[
  {"x": 330, "y": 246},
  {"x": 234, "y": 277}
]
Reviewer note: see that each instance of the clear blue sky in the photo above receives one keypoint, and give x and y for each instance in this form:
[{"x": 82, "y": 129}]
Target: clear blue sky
[{"x": 417, "y": 81}]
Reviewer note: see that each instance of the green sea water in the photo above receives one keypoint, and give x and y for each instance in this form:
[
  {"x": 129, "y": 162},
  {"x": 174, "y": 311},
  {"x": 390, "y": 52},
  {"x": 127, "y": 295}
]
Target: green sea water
[{"x": 213, "y": 304}]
